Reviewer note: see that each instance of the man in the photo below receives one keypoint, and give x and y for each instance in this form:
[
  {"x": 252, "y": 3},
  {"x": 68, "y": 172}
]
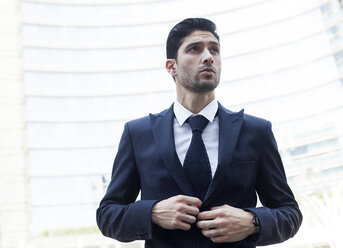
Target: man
[{"x": 198, "y": 184}]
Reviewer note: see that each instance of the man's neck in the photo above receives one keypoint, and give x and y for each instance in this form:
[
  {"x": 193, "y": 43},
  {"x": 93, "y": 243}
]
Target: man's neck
[{"x": 195, "y": 102}]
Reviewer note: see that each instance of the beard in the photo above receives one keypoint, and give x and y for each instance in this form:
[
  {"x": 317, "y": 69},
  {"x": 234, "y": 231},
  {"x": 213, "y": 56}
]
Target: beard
[{"x": 193, "y": 82}]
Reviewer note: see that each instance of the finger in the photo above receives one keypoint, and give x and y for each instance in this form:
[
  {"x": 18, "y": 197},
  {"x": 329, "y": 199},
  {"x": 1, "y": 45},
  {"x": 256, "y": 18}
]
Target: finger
[
  {"x": 188, "y": 218},
  {"x": 192, "y": 210},
  {"x": 183, "y": 208},
  {"x": 220, "y": 239},
  {"x": 182, "y": 225},
  {"x": 190, "y": 200},
  {"x": 211, "y": 233},
  {"x": 207, "y": 224},
  {"x": 209, "y": 215},
  {"x": 228, "y": 207}
]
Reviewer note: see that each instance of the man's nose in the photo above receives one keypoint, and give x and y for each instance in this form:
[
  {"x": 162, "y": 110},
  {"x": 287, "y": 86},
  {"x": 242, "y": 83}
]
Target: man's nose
[{"x": 207, "y": 57}]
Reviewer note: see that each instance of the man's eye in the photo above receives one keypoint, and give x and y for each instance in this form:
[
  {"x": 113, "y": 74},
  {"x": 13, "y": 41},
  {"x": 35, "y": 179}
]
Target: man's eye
[
  {"x": 215, "y": 50},
  {"x": 194, "y": 49}
]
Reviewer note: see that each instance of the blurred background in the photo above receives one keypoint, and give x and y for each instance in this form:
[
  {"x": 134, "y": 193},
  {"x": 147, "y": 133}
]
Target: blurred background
[{"x": 72, "y": 72}]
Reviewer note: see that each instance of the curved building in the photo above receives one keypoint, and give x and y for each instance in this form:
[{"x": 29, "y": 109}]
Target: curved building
[{"x": 85, "y": 67}]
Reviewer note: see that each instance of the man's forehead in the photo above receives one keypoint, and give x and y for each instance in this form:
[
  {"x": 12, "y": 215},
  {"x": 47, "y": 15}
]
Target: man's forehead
[{"x": 199, "y": 36}]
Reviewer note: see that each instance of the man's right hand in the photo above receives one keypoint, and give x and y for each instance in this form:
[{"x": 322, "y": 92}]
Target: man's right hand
[{"x": 177, "y": 212}]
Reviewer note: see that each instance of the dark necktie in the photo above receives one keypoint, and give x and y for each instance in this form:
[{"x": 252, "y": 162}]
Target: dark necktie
[{"x": 196, "y": 164}]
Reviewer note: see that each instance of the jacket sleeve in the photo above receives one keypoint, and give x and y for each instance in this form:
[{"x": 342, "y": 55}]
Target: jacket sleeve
[
  {"x": 118, "y": 215},
  {"x": 280, "y": 216}
]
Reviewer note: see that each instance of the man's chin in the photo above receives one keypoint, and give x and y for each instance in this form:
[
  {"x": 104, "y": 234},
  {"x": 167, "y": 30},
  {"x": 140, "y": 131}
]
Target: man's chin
[{"x": 205, "y": 86}]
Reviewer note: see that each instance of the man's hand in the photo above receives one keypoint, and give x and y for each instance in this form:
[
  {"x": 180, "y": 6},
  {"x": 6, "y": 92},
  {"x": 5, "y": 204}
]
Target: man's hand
[
  {"x": 226, "y": 224},
  {"x": 177, "y": 212}
]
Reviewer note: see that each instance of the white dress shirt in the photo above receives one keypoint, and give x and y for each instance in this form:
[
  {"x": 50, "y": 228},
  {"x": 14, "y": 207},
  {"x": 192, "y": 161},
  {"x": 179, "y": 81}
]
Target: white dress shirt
[{"x": 210, "y": 135}]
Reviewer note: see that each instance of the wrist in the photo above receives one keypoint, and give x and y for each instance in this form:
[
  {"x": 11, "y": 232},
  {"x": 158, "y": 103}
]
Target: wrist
[
  {"x": 256, "y": 222},
  {"x": 154, "y": 212}
]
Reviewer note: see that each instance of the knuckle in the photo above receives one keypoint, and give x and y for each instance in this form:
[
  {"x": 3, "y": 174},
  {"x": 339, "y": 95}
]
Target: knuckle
[
  {"x": 180, "y": 197},
  {"x": 174, "y": 223},
  {"x": 222, "y": 222},
  {"x": 224, "y": 232},
  {"x": 214, "y": 240},
  {"x": 179, "y": 207},
  {"x": 175, "y": 198},
  {"x": 192, "y": 219},
  {"x": 177, "y": 216},
  {"x": 202, "y": 216},
  {"x": 187, "y": 227}
]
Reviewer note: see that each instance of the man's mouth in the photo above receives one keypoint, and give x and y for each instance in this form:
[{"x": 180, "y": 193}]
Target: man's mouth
[{"x": 208, "y": 69}]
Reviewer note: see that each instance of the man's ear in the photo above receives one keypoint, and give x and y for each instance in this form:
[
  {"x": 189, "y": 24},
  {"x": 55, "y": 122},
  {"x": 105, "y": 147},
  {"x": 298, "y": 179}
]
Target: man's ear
[{"x": 171, "y": 67}]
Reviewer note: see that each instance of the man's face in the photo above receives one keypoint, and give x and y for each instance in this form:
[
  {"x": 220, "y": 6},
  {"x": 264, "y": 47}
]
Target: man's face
[{"x": 198, "y": 63}]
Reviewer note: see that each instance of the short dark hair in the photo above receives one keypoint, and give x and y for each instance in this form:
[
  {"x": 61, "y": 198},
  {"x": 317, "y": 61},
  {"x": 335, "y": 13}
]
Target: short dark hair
[{"x": 179, "y": 32}]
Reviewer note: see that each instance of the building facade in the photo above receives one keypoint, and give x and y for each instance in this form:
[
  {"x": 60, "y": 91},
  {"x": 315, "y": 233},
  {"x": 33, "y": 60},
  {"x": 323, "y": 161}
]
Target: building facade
[{"x": 75, "y": 71}]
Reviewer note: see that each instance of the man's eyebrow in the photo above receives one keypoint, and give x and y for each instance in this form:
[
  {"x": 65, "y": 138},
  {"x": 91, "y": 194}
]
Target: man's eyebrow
[
  {"x": 214, "y": 43},
  {"x": 200, "y": 42},
  {"x": 194, "y": 44}
]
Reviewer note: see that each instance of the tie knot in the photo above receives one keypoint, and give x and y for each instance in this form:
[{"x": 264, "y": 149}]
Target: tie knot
[{"x": 198, "y": 123}]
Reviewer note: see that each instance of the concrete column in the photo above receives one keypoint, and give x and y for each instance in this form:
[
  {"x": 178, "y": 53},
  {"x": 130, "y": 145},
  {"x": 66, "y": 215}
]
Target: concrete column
[{"x": 14, "y": 190}]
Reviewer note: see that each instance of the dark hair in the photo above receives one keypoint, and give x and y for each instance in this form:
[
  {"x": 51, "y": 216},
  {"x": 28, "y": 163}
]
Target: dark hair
[{"x": 179, "y": 32}]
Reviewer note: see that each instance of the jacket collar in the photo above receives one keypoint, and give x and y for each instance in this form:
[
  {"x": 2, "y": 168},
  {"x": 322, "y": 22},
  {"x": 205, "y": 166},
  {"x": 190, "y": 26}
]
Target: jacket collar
[
  {"x": 163, "y": 132},
  {"x": 230, "y": 124}
]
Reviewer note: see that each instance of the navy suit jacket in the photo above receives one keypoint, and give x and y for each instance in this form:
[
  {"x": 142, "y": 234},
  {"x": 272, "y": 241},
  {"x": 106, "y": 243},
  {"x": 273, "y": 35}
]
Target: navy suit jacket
[{"x": 248, "y": 163}]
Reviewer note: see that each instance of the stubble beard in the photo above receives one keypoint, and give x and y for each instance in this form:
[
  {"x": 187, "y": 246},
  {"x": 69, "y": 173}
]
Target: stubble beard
[{"x": 195, "y": 84}]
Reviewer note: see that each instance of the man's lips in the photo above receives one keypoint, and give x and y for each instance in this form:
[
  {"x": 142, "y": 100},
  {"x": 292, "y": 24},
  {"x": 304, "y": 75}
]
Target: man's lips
[{"x": 208, "y": 69}]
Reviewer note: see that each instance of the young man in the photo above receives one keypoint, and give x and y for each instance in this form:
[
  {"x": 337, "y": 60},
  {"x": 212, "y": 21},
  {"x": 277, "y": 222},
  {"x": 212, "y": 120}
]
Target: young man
[{"x": 197, "y": 164}]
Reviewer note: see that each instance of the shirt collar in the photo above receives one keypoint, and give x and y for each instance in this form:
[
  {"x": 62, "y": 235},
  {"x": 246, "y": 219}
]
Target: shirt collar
[{"x": 182, "y": 114}]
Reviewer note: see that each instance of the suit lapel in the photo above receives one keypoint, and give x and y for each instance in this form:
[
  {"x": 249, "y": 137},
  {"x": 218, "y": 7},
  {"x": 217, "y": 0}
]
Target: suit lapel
[
  {"x": 163, "y": 132},
  {"x": 230, "y": 124}
]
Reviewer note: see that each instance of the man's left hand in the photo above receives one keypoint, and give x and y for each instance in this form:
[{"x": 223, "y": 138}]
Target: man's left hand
[{"x": 226, "y": 224}]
